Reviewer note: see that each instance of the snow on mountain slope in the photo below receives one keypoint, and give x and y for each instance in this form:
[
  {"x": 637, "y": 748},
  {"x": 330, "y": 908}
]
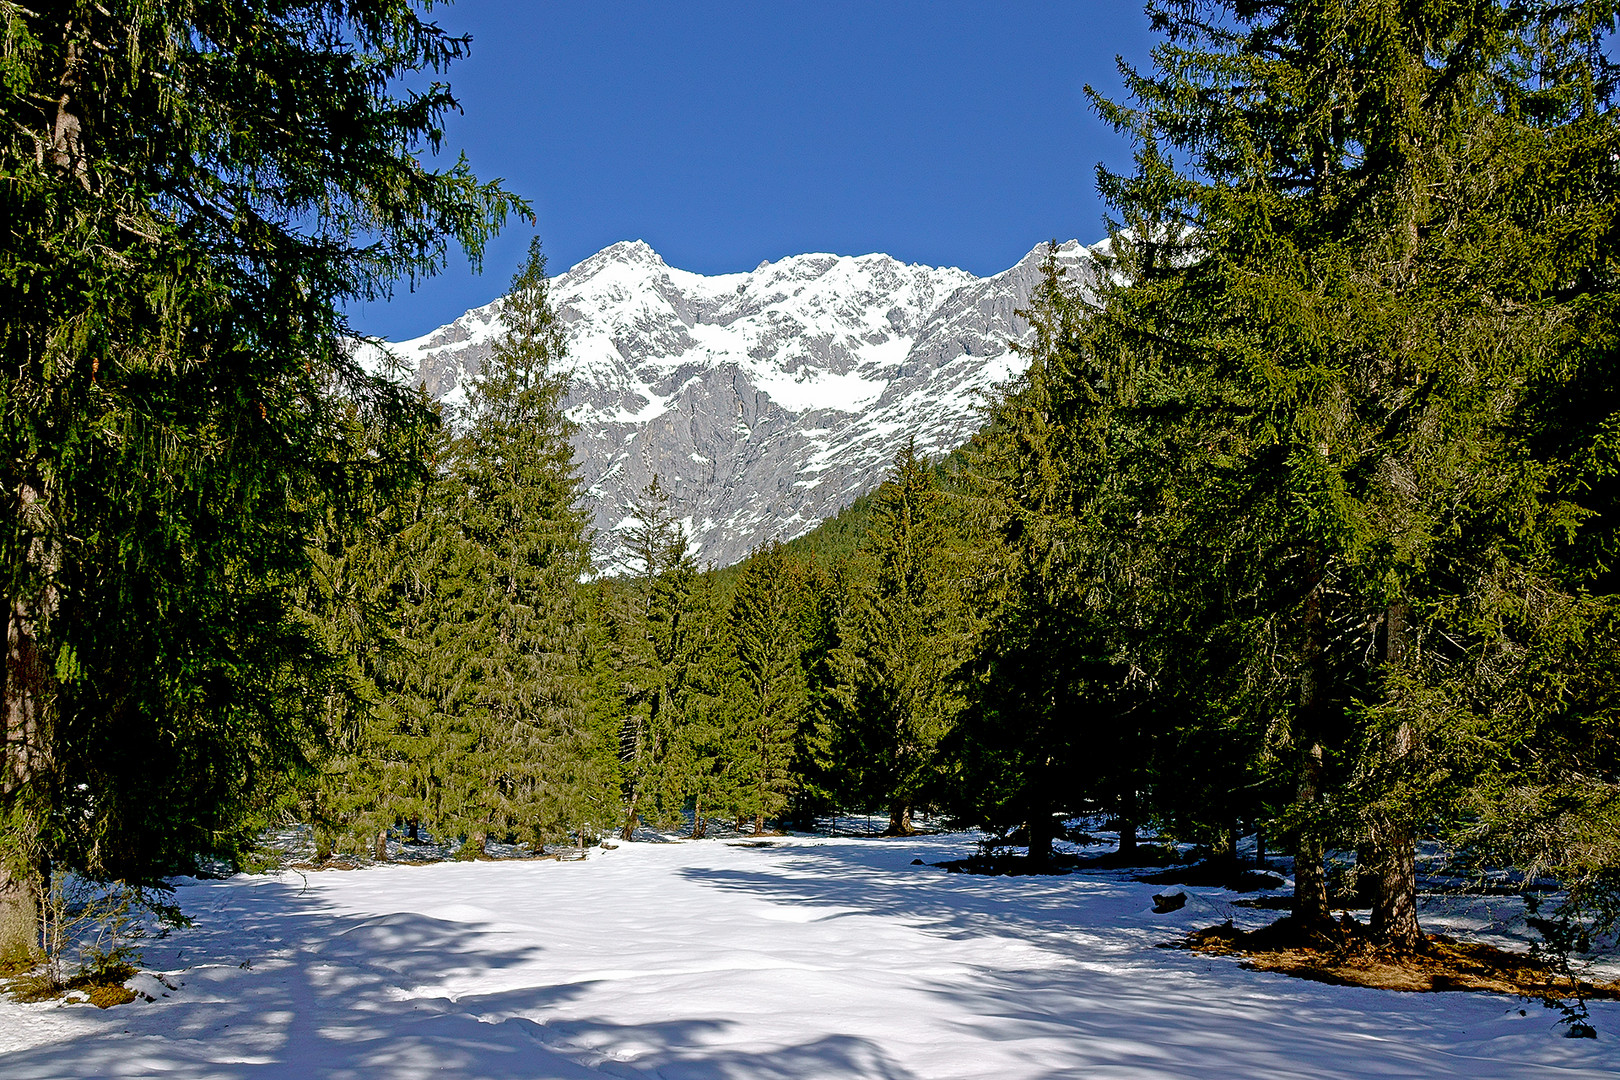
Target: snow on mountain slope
[{"x": 766, "y": 401}]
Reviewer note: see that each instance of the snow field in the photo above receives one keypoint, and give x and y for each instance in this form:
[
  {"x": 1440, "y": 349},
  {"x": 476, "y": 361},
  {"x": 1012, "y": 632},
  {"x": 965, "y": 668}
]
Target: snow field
[{"x": 724, "y": 959}]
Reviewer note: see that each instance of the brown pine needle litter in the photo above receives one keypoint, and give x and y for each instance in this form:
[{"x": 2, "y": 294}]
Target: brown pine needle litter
[{"x": 1344, "y": 955}]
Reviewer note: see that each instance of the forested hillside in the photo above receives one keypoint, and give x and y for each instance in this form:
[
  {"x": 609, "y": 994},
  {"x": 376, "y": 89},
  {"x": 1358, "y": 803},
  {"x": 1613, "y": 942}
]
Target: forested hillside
[{"x": 1299, "y": 523}]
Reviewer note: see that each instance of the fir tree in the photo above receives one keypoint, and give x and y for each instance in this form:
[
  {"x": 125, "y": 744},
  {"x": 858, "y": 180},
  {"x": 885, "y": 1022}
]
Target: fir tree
[
  {"x": 193, "y": 193},
  {"x": 1320, "y": 305},
  {"x": 899, "y": 643},
  {"x": 515, "y": 720},
  {"x": 772, "y": 697}
]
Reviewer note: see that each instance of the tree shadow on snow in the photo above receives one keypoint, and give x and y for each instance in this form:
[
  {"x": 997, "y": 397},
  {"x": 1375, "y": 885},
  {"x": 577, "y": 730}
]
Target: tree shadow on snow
[
  {"x": 267, "y": 984},
  {"x": 1093, "y": 983}
]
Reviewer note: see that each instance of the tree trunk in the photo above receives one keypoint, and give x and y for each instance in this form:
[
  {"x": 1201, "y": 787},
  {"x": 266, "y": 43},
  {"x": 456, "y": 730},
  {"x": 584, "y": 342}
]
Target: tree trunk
[
  {"x": 1260, "y": 845},
  {"x": 26, "y": 755},
  {"x": 628, "y": 832},
  {"x": 1394, "y": 869},
  {"x": 382, "y": 845},
  {"x": 1391, "y": 841},
  {"x": 1127, "y": 838},
  {"x": 1310, "y": 872},
  {"x": 697, "y": 820},
  {"x": 1040, "y": 832},
  {"x": 900, "y": 819},
  {"x": 759, "y": 824}
]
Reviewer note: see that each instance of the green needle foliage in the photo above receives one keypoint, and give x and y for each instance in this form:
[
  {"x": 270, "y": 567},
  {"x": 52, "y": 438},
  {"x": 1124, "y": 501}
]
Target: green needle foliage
[
  {"x": 1348, "y": 284},
  {"x": 898, "y": 643},
  {"x": 192, "y": 192},
  {"x": 521, "y": 756}
]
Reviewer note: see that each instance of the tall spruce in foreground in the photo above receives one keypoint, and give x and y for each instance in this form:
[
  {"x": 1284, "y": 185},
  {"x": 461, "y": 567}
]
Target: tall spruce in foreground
[
  {"x": 192, "y": 193},
  {"x": 516, "y": 728},
  {"x": 1050, "y": 722},
  {"x": 1345, "y": 284}
]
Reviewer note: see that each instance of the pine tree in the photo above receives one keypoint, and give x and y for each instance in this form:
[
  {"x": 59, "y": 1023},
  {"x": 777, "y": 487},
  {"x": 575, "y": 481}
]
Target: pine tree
[
  {"x": 515, "y": 722},
  {"x": 772, "y": 697},
  {"x": 655, "y": 643},
  {"x": 898, "y": 653},
  {"x": 193, "y": 193},
  {"x": 1324, "y": 196}
]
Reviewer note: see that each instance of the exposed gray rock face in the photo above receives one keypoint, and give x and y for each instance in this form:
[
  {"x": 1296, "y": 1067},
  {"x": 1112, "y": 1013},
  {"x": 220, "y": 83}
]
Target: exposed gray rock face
[{"x": 766, "y": 401}]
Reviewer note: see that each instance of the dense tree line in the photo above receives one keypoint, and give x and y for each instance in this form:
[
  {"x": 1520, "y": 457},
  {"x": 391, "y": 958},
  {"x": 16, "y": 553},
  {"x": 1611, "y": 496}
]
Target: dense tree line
[{"x": 1298, "y": 524}]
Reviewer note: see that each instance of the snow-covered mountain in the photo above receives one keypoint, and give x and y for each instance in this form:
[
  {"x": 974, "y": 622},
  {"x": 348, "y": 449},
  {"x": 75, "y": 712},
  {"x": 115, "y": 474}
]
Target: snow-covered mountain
[{"x": 765, "y": 401}]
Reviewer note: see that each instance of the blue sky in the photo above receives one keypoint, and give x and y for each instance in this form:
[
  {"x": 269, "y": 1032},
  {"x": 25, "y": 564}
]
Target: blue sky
[{"x": 725, "y": 134}]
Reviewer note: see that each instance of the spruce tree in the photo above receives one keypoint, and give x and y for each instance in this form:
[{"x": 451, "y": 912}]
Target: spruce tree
[
  {"x": 515, "y": 720},
  {"x": 1055, "y": 716},
  {"x": 1323, "y": 199},
  {"x": 772, "y": 696},
  {"x": 192, "y": 194},
  {"x": 655, "y": 656},
  {"x": 898, "y": 652}
]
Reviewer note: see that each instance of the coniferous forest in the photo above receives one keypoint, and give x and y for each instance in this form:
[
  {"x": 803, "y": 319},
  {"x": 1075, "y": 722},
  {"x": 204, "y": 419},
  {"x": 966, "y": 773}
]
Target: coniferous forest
[{"x": 1299, "y": 526}]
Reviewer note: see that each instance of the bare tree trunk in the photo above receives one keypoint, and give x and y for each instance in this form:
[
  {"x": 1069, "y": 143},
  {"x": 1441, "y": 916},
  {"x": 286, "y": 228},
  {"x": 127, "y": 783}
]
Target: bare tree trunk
[
  {"x": 1310, "y": 872},
  {"x": 1391, "y": 840},
  {"x": 1260, "y": 844},
  {"x": 382, "y": 845},
  {"x": 1040, "y": 832},
  {"x": 698, "y": 826},
  {"x": 27, "y": 693},
  {"x": 759, "y": 824},
  {"x": 1127, "y": 838},
  {"x": 900, "y": 819}
]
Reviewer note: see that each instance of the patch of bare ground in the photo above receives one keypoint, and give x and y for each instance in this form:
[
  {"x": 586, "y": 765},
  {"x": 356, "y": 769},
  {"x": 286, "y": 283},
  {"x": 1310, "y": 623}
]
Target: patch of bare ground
[{"x": 1344, "y": 955}]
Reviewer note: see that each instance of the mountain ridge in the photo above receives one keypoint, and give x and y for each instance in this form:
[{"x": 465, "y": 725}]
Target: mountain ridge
[{"x": 767, "y": 399}]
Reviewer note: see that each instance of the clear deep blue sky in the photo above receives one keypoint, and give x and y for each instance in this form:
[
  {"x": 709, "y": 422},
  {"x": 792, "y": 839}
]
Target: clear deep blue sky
[{"x": 727, "y": 133}]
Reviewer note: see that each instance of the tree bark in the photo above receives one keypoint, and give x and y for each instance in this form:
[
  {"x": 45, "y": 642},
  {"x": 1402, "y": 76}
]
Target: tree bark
[
  {"x": 759, "y": 824},
  {"x": 628, "y": 832},
  {"x": 900, "y": 819},
  {"x": 1040, "y": 837},
  {"x": 1127, "y": 838},
  {"x": 1310, "y": 873},
  {"x": 1392, "y": 842},
  {"x": 382, "y": 845},
  {"x": 27, "y": 694}
]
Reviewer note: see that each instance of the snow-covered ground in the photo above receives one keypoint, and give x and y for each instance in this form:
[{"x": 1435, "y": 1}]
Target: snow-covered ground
[{"x": 803, "y": 957}]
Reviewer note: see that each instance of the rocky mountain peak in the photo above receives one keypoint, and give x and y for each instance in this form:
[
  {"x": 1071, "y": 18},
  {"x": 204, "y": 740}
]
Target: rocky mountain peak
[{"x": 764, "y": 400}]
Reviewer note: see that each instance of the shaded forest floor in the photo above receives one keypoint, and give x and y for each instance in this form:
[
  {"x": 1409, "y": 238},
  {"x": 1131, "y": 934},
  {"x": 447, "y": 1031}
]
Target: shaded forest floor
[
  {"x": 788, "y": 958},
  {"x": 1345, "y": 957}
]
